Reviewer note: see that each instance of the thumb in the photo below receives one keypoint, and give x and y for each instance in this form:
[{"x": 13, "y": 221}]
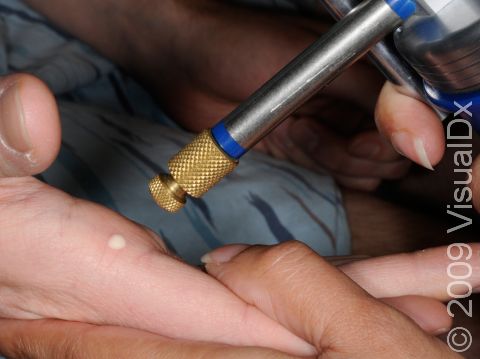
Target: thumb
[{"x": 29, "y": 126}]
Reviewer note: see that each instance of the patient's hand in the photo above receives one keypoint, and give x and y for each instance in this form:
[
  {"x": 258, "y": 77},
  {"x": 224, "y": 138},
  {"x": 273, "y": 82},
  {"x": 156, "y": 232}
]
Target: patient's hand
[{"x": 69, "y": 259}]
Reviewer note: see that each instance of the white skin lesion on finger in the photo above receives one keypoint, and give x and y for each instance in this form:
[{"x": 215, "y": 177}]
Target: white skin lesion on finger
[{"x": 117, "y": 242}]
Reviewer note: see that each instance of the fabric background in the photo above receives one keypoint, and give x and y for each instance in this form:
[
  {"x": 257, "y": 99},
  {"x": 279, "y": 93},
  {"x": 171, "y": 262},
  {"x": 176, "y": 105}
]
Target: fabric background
[{"x": 115, "y": 138}]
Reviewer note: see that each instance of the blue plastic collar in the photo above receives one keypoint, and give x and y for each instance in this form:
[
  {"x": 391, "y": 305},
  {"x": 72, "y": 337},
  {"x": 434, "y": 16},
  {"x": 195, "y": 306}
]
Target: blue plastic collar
[
  {"x": 226, "y": 141},
  {"x": 446, "y": 102},
  {"x": 404, "y": 8}
]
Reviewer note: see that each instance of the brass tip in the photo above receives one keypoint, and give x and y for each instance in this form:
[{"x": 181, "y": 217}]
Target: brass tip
[
  {"x": 194, "y": 170},
  {"x": 167, "y": 193}
]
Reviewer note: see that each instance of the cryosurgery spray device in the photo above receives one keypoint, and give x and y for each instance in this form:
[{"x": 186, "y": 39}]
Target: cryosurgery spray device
[{"x": 433, "y": 55}]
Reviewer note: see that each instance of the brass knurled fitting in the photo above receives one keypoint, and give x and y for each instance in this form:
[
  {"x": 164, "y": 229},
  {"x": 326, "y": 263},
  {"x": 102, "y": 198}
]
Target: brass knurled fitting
[{"x": 194, "y": 171}]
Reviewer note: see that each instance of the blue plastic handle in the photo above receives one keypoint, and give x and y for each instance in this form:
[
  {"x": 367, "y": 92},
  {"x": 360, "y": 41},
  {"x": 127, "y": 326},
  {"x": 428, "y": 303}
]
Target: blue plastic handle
[
  {"x": 451, "y": 102},
  {"x": 404, "y": 8}
]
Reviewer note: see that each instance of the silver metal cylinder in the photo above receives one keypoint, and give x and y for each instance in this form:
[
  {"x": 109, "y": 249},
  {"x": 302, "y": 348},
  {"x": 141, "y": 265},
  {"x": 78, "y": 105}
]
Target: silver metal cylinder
[
  {"x": 442, "y": 44},
  {"x": 385, "y": 56},
  {"x": 311, "y": 71}
]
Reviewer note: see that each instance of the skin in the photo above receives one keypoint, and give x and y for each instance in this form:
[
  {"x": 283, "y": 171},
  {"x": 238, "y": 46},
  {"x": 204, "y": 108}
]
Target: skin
[{"x": 268, "y": 285}]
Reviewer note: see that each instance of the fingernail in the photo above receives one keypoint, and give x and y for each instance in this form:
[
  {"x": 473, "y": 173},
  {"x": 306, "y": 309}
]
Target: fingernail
[
  {"x": 411, "y": 147},
  {"x": 13, "y": 131},
  {"x": 365, "y": 149},
  {"x": 224, "y": 254},
  {"x": 422, "y": 154},
  {"x": 304, "y": 137}
]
